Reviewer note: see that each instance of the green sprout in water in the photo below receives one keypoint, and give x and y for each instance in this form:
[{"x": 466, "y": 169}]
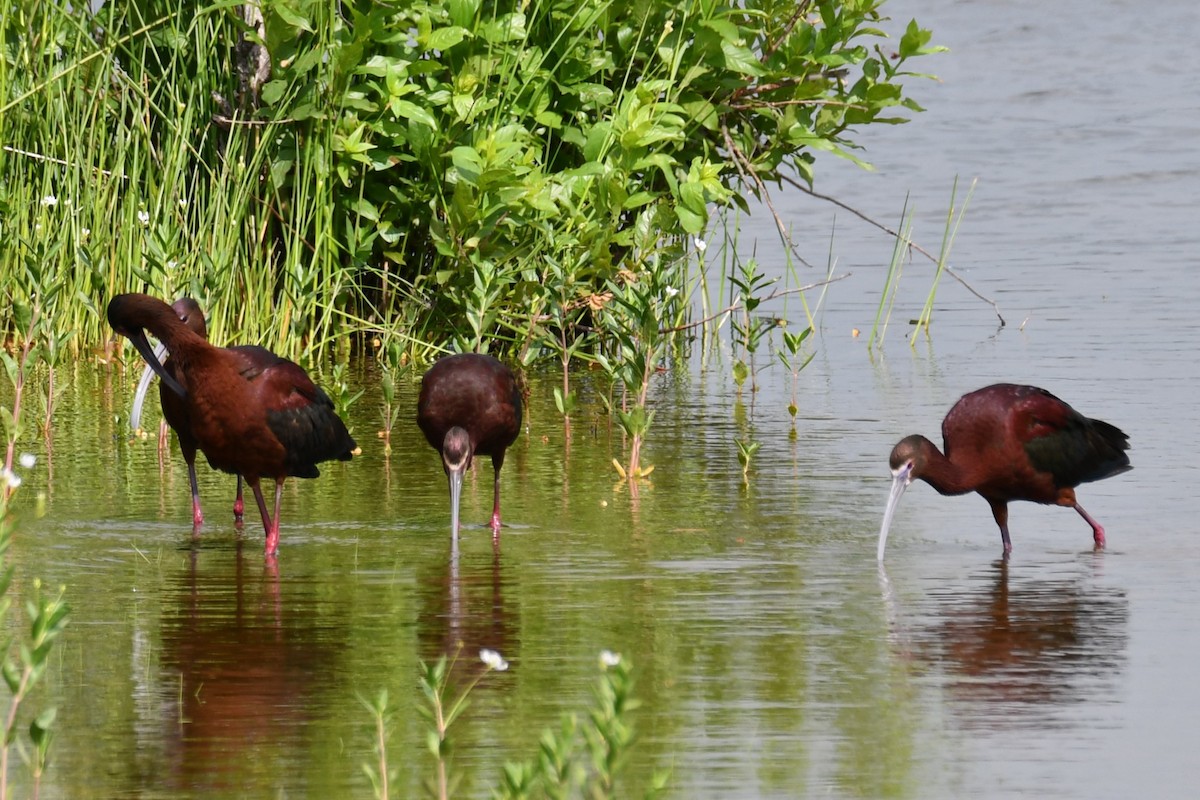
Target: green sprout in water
[
  {"x": 792, "y": 342},
  {"x": 750, "y": 330},
  {"x": 340, "y": 393},
  {"x": 389, "y": 359},
  {"x": 637, "y": 323},
  {"x": 746, "y": 451}
]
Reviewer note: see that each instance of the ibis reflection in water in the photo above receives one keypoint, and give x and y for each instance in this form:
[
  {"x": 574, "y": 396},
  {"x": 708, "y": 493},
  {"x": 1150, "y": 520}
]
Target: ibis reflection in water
[
  {"x": 251, "y": 412},
  {"x": 1008, "y": 442},
  {"x": 469, "y": 405},
  {"x": 175, "y": 411}
]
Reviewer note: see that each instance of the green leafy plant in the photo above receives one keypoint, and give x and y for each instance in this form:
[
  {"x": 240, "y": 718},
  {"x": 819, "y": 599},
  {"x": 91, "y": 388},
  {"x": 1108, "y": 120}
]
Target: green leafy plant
[
  {"x": 579, "y": 758},
  {"x": 339, "y": 391},
  {"x": 636, "y": 324},
  {"x": 795, "y": 361},
  {"x": 749, "y": 329},
  {"x": 443, "y": 707},
  {"x": 411, "y": 182},
  {"x": 389, "y": 366},
  {"x": 584, "y": 759},
  {"x": 378, "y": 772},
  {"x": 746, "y": 451}
]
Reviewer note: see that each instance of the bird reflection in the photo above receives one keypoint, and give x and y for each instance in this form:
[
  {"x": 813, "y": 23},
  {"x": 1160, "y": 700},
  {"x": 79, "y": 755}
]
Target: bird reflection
[
  {"x": 463, "y": 611},
  {"x": 1031, "y": 642},
  {"x": 238, "y": 665}
]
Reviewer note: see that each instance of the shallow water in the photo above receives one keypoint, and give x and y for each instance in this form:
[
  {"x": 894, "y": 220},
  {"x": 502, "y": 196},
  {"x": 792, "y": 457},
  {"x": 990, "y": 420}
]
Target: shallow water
[{"x": 773, "y": 657}]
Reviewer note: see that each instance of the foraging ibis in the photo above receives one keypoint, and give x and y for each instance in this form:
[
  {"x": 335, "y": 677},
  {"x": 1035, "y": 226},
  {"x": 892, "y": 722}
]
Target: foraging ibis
[
  {"x": 1008, "y": 442},
  {"x": 469, "y": 405}
]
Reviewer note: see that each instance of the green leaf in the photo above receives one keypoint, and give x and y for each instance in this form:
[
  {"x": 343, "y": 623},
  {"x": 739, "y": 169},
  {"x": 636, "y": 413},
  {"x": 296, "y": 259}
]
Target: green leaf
[
  {"x": 740, "y": 372},
  {"x": 12, "y": 676},
  {"x": 915, "y": 40},
  {"x": 509, "y": 28},
  {"x": 292, "y": 17},
  {"x": 44, "y": 721},
  {"x": 405, "y": 109},
  {"x": 690, "y": 221},
  {"x": 741, "y": 59},
  {"x": 468, "y": 163},
  {"x": 444, "y": 38}
]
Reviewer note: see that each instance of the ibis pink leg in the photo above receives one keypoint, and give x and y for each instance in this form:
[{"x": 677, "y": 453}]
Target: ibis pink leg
[
  {"x": 270, "y": 521},
  {"x": 496, "y": 507},
  {"x": 239, "y": 505},
  {"x": 1097, "y": 529},
  {"x": 1000, "y": 512},
  {"x": 197, "y": 514}
]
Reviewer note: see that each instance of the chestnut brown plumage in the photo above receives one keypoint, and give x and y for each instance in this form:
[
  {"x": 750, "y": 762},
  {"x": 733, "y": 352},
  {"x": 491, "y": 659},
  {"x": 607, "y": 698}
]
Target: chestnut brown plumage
[
  {"x": 1008, "y": 442},
  {"x": 469, "y": 405},
  {"x": 175, "y": 409},
  {"x": 251, "y": 412}
]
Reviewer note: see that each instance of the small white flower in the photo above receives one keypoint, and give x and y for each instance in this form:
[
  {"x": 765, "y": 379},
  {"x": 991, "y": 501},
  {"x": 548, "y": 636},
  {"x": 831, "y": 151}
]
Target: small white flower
[
  {"x": 144, "y": 217},
  {"x": 11, "y": 478},
  {"x": 182, "y": 203},
  {"x": 28, "y": 460},
  {"x": 172, "y": 264},
  {"x": 701, "y": 245},
  {"x": 609, "y": 659},
  {"x": 671, "y": 292},
  {"x": 493, "y": 660},
  {"x": 85, "y": 232},
  {"x": 50, "y": 201},
  {"x": 37, "y": 228}
]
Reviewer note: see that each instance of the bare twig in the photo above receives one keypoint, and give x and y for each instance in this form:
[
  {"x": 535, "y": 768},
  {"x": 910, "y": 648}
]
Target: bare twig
[
  {"x": 772, "y": 296},
  {"x": 908, "y": 242},
  {"x": 801, "y": 10},
  {"x": 53, "y": 160},
  {"x": 746, "y": 170},
  {"x": 784, "y": 103},
  {"x": 227, "y": 122}
]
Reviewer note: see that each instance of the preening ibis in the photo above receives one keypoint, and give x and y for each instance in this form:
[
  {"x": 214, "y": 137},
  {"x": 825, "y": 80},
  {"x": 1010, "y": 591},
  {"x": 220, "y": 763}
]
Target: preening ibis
[
  {"x": 175, "y": 409},
  {"x": 250, "y": 411},
  {"x": 1010, "y": 442}
]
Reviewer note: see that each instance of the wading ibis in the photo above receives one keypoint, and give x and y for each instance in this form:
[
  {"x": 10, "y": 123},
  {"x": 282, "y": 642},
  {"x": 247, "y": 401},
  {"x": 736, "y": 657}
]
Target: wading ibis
[
  {"x": 251, "y": 412},
  {"x": 469, "y": 405},
  {"x": 175, "y": 409},
  {"x": 1010, "y": 442}
]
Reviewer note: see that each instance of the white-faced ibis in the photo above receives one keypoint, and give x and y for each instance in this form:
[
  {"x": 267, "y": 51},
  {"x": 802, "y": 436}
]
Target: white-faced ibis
[
  {"x": 175, "y": 409},
  {"x": 469, "y": 405},
  {"x": 251, "y": 412},
  {"x": 1010, "y": 442}
]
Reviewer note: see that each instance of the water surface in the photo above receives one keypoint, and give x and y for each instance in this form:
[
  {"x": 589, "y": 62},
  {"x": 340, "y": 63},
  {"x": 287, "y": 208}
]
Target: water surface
[{"x": 774, "y": 659}]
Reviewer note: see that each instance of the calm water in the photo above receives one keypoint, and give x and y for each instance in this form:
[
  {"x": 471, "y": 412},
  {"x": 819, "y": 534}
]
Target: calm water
[{"x": 773, "y": 658}]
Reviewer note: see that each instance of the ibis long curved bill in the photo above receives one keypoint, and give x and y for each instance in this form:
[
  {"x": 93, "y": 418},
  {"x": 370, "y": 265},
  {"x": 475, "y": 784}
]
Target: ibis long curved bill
[
  {"x": 139, "y": 397},
  {"x": 901, "y": 478},
  {"x": 138, "y": 337}
]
